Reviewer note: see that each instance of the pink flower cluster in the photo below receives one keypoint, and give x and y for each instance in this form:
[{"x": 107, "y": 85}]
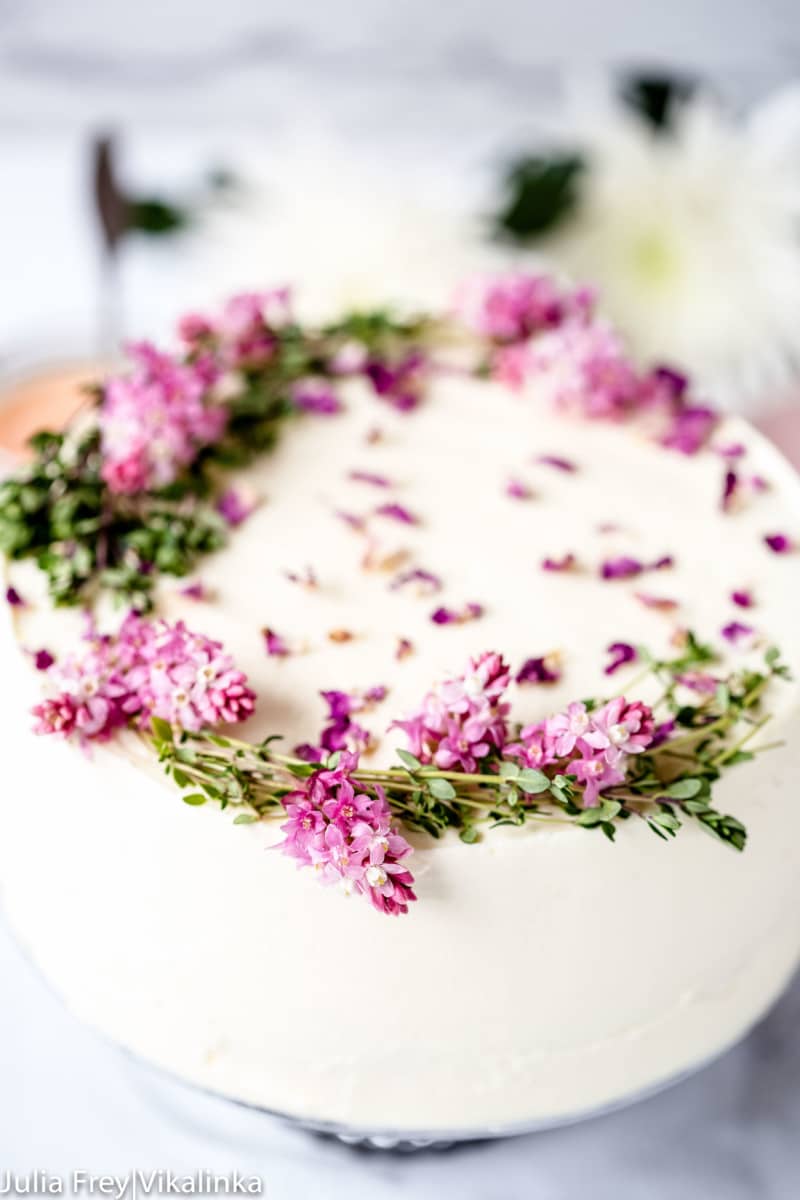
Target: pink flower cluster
[
  {"x": 462, "y": 725},
  {"x": 154, "y": 419},
  {"x": 242, "y": 336},
  {"x": 535, "y": 328},
  {"x": 514, "y": 306},
  {"x": 346, "y": 836},
  {"x": 147, "y": 669},
  {"x": 463, "y": 719},
  {"x": 593, "y": 745}
]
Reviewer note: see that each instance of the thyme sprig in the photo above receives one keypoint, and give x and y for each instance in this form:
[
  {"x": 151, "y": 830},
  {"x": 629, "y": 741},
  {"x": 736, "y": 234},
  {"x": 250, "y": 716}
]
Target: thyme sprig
[
  {"x": 86, "y": 539},
  {"x": 666, "y": 786}
]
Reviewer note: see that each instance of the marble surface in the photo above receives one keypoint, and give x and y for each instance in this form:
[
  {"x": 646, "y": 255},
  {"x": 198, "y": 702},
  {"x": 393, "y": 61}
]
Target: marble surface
[{"x": 371, "y": 72}]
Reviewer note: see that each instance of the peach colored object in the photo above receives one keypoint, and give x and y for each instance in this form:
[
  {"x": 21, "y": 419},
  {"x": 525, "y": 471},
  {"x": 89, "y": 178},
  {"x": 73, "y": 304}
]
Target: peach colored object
[
  {"x": 783, "y": 428},
  {"x": 42, "y": 400}
]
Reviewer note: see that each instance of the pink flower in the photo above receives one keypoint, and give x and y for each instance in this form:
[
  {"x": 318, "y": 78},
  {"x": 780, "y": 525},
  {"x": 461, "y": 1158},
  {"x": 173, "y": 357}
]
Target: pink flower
[
  {"x": 154, "y": 419},
  {"x": 592, "y": 375},
  {"x": 620, "y": 728},
  {"x": 244, "y": 335},
  {"x": 596, "y": 775},
  {"x": 148, "y": 668},
  {"x": 513, "y": 306},
  {"x": 463, "y": 720},
  {"x": 346, "y": 836},
  {"x": 565, "y": 730}
]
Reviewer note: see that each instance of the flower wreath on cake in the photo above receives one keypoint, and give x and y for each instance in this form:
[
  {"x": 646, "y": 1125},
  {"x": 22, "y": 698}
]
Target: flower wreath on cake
[{"x": 137, "y": 487}]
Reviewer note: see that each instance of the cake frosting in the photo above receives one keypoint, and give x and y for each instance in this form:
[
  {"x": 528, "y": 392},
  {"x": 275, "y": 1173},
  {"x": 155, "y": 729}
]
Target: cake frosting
[{"x": 545, "y": 972}]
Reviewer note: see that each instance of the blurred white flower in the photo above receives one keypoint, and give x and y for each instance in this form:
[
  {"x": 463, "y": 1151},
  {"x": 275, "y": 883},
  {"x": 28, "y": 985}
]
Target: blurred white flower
[
  {"x": 344, "y": 230},
  {"x": 693, "y": 237}
]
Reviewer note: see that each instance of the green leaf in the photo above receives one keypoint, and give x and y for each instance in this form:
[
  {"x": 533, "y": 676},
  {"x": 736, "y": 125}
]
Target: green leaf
[
  {"x": 655, "y": 98},
  {"x": 195, "y": 799},
  {"x": 533, "y": 782},
  {"x": 541, "y": 191},
  {"x": 162, "y": 730},
  {"x": 509, "y": 770},
  {"x": 441, "y": 789},
  {"x": 245, "y": 819},
  {"x": 409, "y": 760},
  {"x": 684, "y": 789},
  {"x": 469, "y": 834}
]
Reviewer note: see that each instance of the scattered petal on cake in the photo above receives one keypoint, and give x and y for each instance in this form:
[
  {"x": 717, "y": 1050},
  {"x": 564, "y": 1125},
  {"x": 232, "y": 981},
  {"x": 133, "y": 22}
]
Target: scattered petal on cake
[
  {"x": 621, "y": 653},
  {"x": 235, "y": 505},
  {"x": 556, "y": 461},
  {"x": 518, "y": 490},
  {"x": 779, "y": 543},
  {"x": 545, "y": 669},
  {"x": 352, "y": 519},
  {"x": 14, "y": 598},
  {"x": 305, "y": 578},
  {"x": 403, "y": 648},
  {"x": 379, "y": 481},
  {"x": 426, "y": 581},
  {"x": 730, "y": 487},
  {"x": 736, "y": 632},
  {"x": 568, "y": 562},
  {"x": 340, "y": 635},
  {"x": 659, "y": 603},
  {"x": 623, "y": 567},
  {"x": 396, "y": 512},
  {"x": 731, "y": 450},
  {"x": 451, "y": 616},
  {"x": 274, "y": 644},
  {"x": 195, "y": 591},
  {"x": 43, "y": 660},
  {"x": 742, "y": 598}
]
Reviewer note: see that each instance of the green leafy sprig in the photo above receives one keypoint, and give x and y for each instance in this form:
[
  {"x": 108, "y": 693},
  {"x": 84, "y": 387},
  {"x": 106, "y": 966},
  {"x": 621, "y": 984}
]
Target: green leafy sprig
[
  {"x": 59, "y": 512},
  {"x": 666, "y": 786}
]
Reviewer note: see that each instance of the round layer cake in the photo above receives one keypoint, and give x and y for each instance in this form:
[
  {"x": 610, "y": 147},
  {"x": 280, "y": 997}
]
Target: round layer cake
[{"x": 544, "y": 971}]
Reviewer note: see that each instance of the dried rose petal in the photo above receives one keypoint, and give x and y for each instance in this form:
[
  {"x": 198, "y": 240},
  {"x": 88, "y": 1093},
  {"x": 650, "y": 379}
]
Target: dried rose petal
[
  {"x": 518, "y": 490},
  {"x": 621, "y": 654},
  {"x": 194, "y": 591},
  {"x": 730, "y": 488},
  {"x": 396, "y": 512},
  {"x": 340, "y": 635},
  {"x": 351, "y": 519},
  {"x": 566, "y": 563},
  {"x": 736, "y": 632},
  {"x": 13, "y": 598},
  {"x": 660, "y": 603},
  {"x": 428, "y": 581},
  {"x": 623, "y": 567},
  {"x": 235, "y": 506},
  {"x": 555, "y": 460},
  {"x": 275, "y": 645},
  {"x": 779, "y": 543},
  {"x": 404, "y": 647},
  {"x": 370, "y": 477},
  {"x": 43, "y": 660},
  {"x": 539, "y": 670},
  {"x": 742, "y": 598},
  {"x": 449, "y": 616}
]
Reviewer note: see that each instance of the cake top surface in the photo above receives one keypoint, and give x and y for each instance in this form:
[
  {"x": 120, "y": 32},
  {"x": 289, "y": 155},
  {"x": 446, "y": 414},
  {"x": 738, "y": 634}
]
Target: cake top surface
[{"x": 385, "y": 548}]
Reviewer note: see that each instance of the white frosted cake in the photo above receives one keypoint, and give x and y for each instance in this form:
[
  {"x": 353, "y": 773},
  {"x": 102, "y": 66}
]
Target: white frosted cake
[{"x": 544, "y": 970}]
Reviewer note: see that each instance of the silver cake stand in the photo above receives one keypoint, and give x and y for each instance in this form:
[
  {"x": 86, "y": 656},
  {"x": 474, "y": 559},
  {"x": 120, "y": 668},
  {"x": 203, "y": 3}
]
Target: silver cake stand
[{"x": 207, "y": 1111}]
